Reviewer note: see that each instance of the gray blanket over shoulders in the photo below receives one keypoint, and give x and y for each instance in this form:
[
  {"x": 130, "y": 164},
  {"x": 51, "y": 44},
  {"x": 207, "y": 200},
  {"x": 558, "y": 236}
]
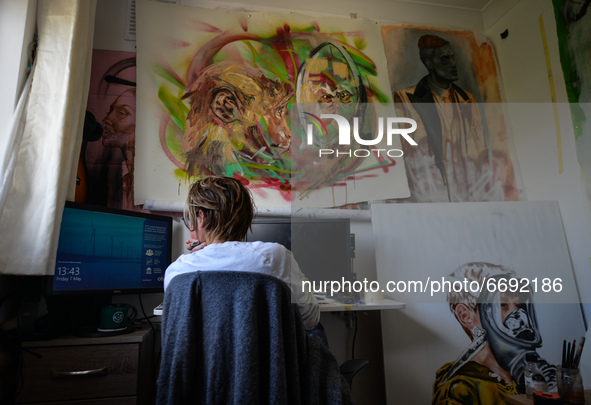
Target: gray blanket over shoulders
[{"x": 231, "y": 337}]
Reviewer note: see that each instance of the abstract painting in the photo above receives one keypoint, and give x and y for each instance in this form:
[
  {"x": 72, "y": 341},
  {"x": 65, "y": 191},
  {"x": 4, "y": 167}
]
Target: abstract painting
[
  {"x": 484, "y": 285},
  {"x": 216, "y": 94},
  {"x": 447, "y": 80}
]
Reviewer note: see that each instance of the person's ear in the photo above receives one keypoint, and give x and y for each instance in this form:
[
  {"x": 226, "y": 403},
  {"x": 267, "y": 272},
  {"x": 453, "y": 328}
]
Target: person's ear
[
  {"x": 466, "y": 316},
  {"x": 200, "y": 220},
  {"x": 429, "y": 64},
  {"x": 225, "y": 105}
]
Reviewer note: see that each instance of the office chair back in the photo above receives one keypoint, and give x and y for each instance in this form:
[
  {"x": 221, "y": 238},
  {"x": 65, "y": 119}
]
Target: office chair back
[{"x": 231, "y": 337}]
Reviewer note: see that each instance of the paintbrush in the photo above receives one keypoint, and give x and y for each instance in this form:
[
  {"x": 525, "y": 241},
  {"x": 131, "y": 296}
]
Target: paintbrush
[
  {"x": 579, "y": 352},
  {"x": 573, "y": 348}
]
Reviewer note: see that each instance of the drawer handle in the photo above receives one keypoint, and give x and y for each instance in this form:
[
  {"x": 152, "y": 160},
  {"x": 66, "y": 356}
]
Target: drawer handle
[{"x": 96, "y": 372}]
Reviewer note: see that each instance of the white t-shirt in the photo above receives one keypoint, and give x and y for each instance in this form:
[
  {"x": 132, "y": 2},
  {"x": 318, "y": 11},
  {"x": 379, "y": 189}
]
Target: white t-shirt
[{"x": 258, "y": 257}]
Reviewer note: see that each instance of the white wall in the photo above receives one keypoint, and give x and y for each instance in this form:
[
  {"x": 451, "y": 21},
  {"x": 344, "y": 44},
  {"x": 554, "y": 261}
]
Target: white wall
[
  {"x": 525, "y": 76},
  {"x": 109, "y": 28},
  {"x": 110, "y": 20},
  {"x": 387, "y": 10}
]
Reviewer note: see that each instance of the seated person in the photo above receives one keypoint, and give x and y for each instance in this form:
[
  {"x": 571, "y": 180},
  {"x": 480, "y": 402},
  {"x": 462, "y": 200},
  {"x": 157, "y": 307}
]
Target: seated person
[{"x": 218, "y": 213}]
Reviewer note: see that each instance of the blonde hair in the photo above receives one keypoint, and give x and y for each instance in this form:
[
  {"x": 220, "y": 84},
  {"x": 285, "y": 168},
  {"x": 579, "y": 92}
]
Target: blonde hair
[
  {"x": 227, "y": 206},
  {"x": 474, "y": 271}
]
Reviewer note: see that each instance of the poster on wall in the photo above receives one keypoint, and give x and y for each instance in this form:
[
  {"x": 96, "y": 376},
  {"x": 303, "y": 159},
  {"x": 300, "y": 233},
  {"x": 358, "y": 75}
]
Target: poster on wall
[
  {"x": 447, "y": 80},
  {"x": 216, "y": 92},
  {"x": 484, "y": 285},
  {"x": 106, "y": 165},
  {"x": 573, "y": 27}
]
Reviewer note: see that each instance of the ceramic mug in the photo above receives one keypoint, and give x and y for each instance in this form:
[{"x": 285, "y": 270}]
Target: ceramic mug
[{"x": 117, "y": 316}]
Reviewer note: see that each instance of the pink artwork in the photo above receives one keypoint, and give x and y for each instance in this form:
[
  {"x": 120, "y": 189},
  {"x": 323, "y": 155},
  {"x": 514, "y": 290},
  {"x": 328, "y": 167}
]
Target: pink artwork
[{"x": 106, "y": 169}]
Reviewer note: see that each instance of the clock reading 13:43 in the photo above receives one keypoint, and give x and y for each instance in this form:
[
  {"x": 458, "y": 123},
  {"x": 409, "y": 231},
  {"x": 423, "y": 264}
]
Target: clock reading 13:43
[{"x": 68, "y": 271}]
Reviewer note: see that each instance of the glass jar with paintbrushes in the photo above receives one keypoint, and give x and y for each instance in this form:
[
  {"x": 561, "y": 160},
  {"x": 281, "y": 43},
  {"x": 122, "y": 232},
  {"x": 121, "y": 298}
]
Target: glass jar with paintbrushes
[{"x": 568, "y": 377}]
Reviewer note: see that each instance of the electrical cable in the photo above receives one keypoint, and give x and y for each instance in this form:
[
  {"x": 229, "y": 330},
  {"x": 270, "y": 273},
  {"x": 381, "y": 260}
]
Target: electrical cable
[
  {"x": 354, "y": 336},
  {"x": 154, "y": 359},
  {"x": 144, "y": 313}
]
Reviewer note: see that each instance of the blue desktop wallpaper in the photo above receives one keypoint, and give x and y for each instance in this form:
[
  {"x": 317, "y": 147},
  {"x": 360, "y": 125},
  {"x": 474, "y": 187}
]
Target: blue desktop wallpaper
[{"x": 105, "y": 251}]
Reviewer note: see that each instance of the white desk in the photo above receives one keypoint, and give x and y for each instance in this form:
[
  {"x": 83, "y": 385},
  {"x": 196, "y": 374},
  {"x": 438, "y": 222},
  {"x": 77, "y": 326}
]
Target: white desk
[{"x": 335, "y": 306}]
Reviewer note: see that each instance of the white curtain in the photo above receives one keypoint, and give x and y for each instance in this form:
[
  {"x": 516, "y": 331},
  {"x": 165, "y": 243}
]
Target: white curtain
[{"x": 39, "y": 167}]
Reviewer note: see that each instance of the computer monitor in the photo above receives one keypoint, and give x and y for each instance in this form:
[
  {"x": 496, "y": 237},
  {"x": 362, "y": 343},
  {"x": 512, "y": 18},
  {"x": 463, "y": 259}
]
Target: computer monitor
[
  {"x": 105, "y": 251},
  {"x": 321, "y": 246}
]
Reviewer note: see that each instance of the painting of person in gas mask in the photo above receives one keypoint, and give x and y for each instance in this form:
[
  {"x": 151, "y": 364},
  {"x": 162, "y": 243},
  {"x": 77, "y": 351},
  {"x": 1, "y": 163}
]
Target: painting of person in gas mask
[{"x": 502, "y": 328}]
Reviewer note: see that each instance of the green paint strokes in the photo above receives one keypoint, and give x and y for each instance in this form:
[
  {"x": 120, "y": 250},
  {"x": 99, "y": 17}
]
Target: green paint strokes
[
  {"x": 360, "y": 43},
  {"x": 237, "y": 145},
  {"x": 308, "y": 29},
  {"x": 175, "y": 107},
  {"x": 569, "y": 69},
  {"x": 173, "y": 142},
  {"x": 317, "y": 125},
  {"x": 165, "y": 74},
  {"x": 363, "y": 64},
  {"x": 341, "y": 37},
  {"x": 377, "y": 93},
  {"x": 267, "y": 168},
  {"x": 180, "y": 174},
  {"x": 293, "y": 51},
  {"x": 280, "y": 72}
]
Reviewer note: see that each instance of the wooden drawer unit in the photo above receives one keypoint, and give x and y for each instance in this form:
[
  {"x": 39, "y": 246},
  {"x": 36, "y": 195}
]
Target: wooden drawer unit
[{"x": 117, "y": 369}]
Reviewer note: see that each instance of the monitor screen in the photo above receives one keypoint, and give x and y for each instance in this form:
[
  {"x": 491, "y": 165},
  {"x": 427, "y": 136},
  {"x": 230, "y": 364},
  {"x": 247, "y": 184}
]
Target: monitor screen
[
  {"x": 108, "y": 251},
  {"x": 322, "y": 247}
]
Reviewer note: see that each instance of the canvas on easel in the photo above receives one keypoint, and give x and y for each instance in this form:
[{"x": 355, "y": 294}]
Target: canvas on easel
[{"x": 473, "y": 340}]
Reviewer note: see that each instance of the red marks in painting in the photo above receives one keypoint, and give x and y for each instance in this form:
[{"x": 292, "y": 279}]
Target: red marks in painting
[
  {"x": 263, "y": 185},
  {"x": 243, "y": 21},
  {"x": 176, "y": 43},
  {"x": 284, "y": 46},
  {"x": 204, "y": 27}
]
